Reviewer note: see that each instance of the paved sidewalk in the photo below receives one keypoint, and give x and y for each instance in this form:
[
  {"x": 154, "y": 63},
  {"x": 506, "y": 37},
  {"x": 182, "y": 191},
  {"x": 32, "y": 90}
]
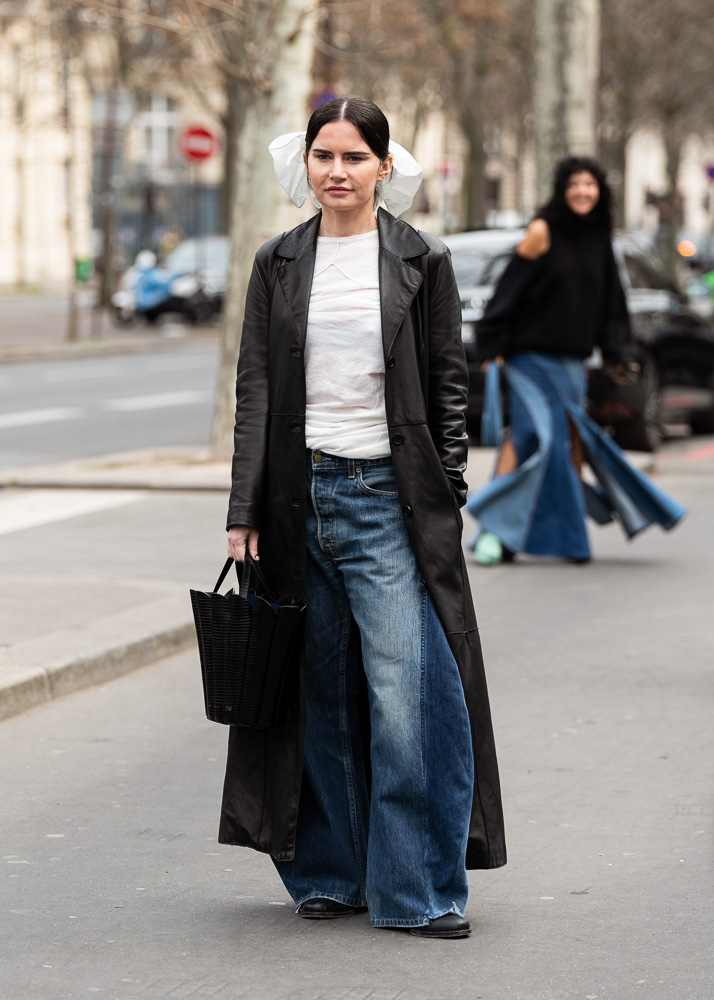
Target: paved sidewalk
[
  {"x": 97, "y": 557},
  {"x": 34, "y": 327},
  {"x": 94, "y": 583},
  {"x": 600, "y": 684}
]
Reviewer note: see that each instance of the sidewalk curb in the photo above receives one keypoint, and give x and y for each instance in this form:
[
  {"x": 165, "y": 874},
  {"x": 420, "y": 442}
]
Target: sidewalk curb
[
  {"x": 101, "y": 347},
  {"x": 40, "y": 670},
  {"x": 177, "y": 468},
  {"x": 191, "y": 468}
]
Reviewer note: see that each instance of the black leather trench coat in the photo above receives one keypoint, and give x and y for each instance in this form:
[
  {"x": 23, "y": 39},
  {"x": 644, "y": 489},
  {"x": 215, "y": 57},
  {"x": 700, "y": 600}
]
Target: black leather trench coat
[{"x": 425, "y": 397}]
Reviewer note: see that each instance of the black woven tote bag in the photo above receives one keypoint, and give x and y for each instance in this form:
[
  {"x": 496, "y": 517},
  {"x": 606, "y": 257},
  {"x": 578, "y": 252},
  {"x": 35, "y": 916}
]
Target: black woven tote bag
[{"x": 247, "y": 643}]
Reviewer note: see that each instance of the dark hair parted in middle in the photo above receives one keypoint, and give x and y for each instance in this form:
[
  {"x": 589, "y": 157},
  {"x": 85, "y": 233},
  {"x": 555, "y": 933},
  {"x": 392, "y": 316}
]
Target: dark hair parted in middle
[
  {"x": 367, "y": 118},
  {"x": 556, "y": 210}
]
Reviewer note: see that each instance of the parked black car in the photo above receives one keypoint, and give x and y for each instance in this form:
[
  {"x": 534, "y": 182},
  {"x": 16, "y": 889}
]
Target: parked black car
[{"x": 676, "y": 342}]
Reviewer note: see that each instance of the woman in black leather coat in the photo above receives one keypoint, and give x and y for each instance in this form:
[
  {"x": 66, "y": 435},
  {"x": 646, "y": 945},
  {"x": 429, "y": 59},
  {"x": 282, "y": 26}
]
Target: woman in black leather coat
[{"x": 362, "y": 801}]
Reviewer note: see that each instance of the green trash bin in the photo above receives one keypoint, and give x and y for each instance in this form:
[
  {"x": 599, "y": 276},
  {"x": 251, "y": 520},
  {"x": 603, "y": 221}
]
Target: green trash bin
[{"x": 83, "y": 268}]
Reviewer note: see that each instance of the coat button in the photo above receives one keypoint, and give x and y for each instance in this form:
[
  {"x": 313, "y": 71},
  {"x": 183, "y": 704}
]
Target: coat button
[
  {"x": 296, "y": 352},
  {"x": 295, "y": 427},
  {"x": 390, "y": 362},
  {"x": 296, "y": 503},
  {"x": 407, "y": 511},
  {"x": 397, "y": 439},
  {"x": 297, "y": 575}
]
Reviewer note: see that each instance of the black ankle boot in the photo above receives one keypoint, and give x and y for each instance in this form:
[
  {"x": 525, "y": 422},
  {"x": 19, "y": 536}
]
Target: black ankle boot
[{"x": 451, "y": 925}]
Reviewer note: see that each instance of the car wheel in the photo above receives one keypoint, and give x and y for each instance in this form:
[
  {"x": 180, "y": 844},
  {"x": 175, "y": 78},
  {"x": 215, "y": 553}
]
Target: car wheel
[
  {"x": 645, "y": 432},
  {"x": 201, "y": 314},
  {"x": 123, "y": 318},
  {"x": 702, "y": 421},
  {"x": 651, "y": 404}
]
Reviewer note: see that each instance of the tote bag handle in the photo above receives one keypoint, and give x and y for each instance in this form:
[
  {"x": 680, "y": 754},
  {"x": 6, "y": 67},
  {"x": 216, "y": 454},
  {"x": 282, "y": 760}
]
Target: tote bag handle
[{"x": 249, "y": 565}]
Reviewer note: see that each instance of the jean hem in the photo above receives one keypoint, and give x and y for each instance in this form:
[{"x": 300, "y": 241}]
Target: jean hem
[
  {"x": 415, "y": 921},
  {"x": 399, "y": 921}
]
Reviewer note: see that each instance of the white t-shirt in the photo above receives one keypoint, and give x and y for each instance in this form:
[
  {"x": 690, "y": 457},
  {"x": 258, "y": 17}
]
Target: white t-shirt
[{"x": 344, "y": 358}]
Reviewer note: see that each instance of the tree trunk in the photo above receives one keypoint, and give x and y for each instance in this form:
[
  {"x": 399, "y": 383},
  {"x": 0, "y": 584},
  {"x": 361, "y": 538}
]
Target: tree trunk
[
  {"x": 564, "y": 93},
  {"x": 20, "y": 231},
  {"x": 671, "y": 206},
  {"x": 617, "y": 172},
  {"x": 472, "y": 185},
  {"x": 259, "y": 205},
  {"x": 106, "y": 192},
  {"x": 72, "y": 220},
  {"x": 416, "y": 122},
  {"x": 232, "y": 124},
  {"x": 468, "y": 88}
]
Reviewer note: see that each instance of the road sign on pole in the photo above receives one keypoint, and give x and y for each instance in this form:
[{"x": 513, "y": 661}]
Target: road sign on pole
[{"x": 198, "y": 142}]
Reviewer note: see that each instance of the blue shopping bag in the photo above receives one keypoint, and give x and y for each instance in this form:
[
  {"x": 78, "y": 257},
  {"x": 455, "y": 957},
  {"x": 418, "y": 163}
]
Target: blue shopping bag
[{"x": 492, "y": 416}]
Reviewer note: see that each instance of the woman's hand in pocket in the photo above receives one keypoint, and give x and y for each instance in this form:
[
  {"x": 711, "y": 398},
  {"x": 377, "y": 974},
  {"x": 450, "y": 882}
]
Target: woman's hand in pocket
[{"x": 240, "y": 536}]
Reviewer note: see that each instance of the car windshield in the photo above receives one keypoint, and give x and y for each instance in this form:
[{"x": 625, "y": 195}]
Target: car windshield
[
  {"x": 195, "y": 255},
  {"x": 479, "y": 265}
]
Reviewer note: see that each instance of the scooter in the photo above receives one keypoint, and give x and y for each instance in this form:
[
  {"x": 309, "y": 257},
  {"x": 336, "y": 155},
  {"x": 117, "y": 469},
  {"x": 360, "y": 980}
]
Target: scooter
[
  {"x": 124, "y": 301},
  {"x": 150, "y": 291}
]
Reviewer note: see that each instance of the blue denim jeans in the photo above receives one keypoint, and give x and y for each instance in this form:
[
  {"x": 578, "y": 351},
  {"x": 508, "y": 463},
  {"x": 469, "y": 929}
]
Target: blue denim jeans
[{"x": 397, "y": 847}]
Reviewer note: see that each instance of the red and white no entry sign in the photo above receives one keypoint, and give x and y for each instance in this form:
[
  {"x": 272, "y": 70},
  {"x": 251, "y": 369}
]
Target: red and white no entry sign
[{"x": 198, "y": 143}]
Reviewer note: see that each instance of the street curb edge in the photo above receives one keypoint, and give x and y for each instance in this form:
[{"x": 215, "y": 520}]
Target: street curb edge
[{"x": 24, "y": 687}]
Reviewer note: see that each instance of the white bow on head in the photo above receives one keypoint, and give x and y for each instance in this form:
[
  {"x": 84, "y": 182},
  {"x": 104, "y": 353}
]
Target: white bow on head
[{"x": 396, "y": 192}]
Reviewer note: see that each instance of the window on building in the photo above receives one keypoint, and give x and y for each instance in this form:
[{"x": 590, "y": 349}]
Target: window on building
[{"x": 158, "y": 121}]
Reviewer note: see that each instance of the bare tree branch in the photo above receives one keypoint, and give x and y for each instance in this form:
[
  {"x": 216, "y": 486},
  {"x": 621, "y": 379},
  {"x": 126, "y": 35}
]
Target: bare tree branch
[
  {"x": 136, "y": 16},
  {"x": 225, "y": 7}
]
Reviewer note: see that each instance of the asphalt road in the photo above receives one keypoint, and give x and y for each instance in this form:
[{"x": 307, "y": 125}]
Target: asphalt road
[
  {"x": 58, "y": 410},
  {"x": 601, "y": 687}
]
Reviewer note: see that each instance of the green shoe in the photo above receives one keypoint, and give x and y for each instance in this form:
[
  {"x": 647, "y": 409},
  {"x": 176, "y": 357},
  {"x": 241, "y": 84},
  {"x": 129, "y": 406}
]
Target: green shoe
[{"x": 488, "y": 550}]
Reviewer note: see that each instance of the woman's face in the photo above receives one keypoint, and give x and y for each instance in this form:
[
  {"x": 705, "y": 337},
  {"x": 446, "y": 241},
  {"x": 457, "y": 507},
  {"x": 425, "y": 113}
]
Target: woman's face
[
  {"x": 343, "y": 169},
  {"x": 582, "y": 192}
]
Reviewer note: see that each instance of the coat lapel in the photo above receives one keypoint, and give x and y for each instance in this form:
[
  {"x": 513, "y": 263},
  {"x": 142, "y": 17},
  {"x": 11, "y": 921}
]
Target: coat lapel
[
  {"x": 399, "y": 280},
  {"x": 295, "y": 274}
]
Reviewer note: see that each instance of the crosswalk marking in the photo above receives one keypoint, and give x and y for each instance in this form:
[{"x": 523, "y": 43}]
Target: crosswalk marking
[
  {"x": 19, "y": 511},
  {"x": 157, "y": 401},
  {"x": 53, "y": 414},
  {"x": 25, "y": 418}
]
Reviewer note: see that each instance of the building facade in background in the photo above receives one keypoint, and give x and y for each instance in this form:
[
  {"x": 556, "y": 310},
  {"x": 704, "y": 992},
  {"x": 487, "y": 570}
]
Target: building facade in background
[
  {"x": 45, "y": 157},
  {"x": 76, "y": 147},
  {"x": 80, "y": 154}
]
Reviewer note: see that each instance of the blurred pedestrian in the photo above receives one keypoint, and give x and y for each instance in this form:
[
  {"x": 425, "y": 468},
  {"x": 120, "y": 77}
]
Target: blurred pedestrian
[
  {"x": 558, "y": 299},
  {"x": 350, "y": 448}
]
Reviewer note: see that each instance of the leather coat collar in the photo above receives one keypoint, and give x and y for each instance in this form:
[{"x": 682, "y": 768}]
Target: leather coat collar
[
  {"x": 398, "y": 279},
  {"x": 395, "y": 236}
]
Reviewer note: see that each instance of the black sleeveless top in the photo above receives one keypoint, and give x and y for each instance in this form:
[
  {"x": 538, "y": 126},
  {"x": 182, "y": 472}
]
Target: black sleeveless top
[{"x": 565, "y": 302}]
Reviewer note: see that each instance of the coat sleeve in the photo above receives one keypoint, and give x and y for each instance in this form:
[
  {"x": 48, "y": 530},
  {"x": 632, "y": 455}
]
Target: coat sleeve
[
  {"x": 493, "y": 330},
  {"x": 448, "y": 382},
  {"x": 252, "y": 412},
  {"x": 615, "y": 340}
]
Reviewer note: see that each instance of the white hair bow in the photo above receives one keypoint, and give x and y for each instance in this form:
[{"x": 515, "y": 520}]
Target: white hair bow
[{"x": 396, "y": 192}]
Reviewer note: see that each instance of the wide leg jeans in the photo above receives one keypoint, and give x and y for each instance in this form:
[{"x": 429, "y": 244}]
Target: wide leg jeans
[{"x": 393, "y": 840}]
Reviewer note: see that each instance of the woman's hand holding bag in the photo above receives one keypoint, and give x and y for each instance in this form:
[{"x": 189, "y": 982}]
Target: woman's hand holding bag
[{"x": 242, "y": 537}]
